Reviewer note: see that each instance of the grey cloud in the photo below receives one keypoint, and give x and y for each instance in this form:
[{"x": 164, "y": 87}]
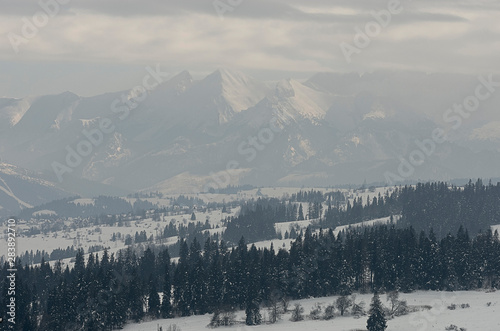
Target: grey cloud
[
  {"x": 249, "y": 39},
  {"x": 254, "y": 9}
]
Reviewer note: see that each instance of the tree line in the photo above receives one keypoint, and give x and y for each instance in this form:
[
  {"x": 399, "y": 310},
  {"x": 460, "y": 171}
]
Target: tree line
[
  {"x": 437, "y": 205},
  {"x": 102, "y": 293}
]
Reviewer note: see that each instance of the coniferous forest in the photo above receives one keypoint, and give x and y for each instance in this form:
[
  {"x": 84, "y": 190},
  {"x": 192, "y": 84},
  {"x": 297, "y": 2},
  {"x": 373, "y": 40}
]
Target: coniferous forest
[{"x": 442, "y": 242}]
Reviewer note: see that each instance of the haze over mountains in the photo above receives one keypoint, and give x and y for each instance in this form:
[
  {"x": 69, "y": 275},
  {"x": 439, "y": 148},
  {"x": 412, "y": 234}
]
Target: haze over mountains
[{"x": 331, "y": 129}]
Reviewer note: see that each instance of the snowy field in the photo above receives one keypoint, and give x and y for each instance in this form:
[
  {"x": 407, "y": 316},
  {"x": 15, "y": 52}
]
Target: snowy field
[
  {"x": 276, "y": 192},
  {"x": 483, "y": 315},
  {"x": 302, "y": 225},
  {"x": 87, "y": 237},
  {"x": 377, "y": 221}
]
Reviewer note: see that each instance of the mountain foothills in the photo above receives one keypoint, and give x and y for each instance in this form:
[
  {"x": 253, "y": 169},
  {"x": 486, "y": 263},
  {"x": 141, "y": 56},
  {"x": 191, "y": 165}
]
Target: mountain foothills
[{"x": 189, "y": 135}]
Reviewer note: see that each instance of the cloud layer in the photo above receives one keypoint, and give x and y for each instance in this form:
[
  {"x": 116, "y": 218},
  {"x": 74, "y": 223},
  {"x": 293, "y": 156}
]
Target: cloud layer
[{"x": 255, "y": 36}]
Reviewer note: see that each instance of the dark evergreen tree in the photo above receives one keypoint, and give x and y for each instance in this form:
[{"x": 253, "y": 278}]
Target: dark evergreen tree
[
  {"x": 376, "y": 320},
  {"x": 253, "y": 288},
  {"x": 301, "y": 213},
  {"x": 182, "y": 287},
  {"x": 153, "y": 302},
  {"x": 197, "y": 279},
  {"x": 166, "y": 304},
  {"x": 135, "y": 297}
]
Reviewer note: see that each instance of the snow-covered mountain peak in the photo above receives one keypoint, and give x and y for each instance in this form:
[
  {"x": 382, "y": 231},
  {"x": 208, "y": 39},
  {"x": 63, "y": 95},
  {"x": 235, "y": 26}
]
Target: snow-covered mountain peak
[
  {"x": 228, "y": 76},
  {"x": 489, "y": 131},
  {"x": 223, "y": 77},
  {"x": 377, "y": 112},
  {"x": 299, "y": 100},
  {"x": 230, "y": 92},
  {"x": 284, "y": 89},
  {"x": 12, "y": 110},
  {"x": 181, "y": 82}
]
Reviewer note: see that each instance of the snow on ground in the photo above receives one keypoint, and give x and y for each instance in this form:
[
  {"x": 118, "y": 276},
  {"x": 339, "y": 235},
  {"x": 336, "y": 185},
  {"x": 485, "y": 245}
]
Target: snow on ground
[
  {"x": 364, "y": 195},
  {"x": 44, "y": 212},
  {"x": 302, "y": 225},
  {"x": 279, "y": 192},
  {"x": 87, "y": 237},
  {"x": 84, "y": 202},
  {"x": 377, "y": 221},
  {"x": 101, "y": 235},
  {"x": 495, "y": 227},
  {"x": 277, "y": 244},
  {"x": 481, "y": 316},
  {"x": 269, "y": 192},
  {"x": 287, "y": 226}
]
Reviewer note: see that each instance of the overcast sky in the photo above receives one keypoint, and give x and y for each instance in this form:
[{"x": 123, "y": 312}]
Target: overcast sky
[{"x": 96, "y": 46}]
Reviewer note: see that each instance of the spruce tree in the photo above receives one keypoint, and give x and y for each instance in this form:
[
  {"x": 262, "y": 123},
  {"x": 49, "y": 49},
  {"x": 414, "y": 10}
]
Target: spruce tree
[
  {"x": 135, "y": 298},
  {"x": 253, "y": 288},
  {"x": 377, "y": 320},
  {"x": 253, "y": 316},
  {"x": 301, "y": 213},
  {"x": 197, "y": 280},
  {"x": 153, "y": 302},
  {"x": 182, "y": 287},
  {"x": 166, "y": 305}
]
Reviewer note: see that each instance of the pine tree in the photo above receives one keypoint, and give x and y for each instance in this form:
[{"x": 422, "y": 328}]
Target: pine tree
[
  {"x": 301, "y": 213},
  {"x": 153, "y": 302},
  {"x": 147, "y": 265},
  {"x": 253, "y": 316},
  {"x": 197, "y": 279},
  {"x": 253, "y": 288},
  {"x": 182, "y": 287},
  {"x": 117, "y": 301},
  {"x": 53, "y": 318},
  {"x": 377, "y": 320},
  {"x": 135, "y": 298},
  {"x": 166, "y": 305},
  {"x": 79, "y": 268},
  {"x": 215, "y": 282}
]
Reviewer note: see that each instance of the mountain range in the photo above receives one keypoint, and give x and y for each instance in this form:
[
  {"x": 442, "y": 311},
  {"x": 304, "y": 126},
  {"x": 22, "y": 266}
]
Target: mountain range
[{"x": 187, "y": 135}]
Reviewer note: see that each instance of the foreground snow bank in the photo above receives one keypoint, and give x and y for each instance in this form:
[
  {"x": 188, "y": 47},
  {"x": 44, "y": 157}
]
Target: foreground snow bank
[{"x": 482, "y": 315}]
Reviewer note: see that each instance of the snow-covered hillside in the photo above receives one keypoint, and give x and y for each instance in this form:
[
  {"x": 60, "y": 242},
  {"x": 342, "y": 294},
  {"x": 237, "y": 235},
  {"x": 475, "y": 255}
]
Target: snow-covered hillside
[
  {"x": 73, "y": 231},
  {"x": 93, "y": 236},
  {"x": 482, "y": 315}
]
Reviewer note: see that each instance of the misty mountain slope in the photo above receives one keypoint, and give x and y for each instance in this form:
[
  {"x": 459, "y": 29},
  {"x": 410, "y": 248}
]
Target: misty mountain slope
[
  {"x": 206, "y": 104},
  {"x": 20, "y": 189},
  {"x": 13, "y": 110},
  {"x": 331, "y": 129},
  {"x": 50, "y": 124},
  {"x": 217, "y": 98},
  {"x": 47, "y": 114},
  {"x": 430, "y": 94},
  {"x": 210, "y": 153}
]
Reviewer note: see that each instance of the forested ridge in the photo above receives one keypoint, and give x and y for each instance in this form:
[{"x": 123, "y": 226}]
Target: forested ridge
[{"x": 423, "y": 206}]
